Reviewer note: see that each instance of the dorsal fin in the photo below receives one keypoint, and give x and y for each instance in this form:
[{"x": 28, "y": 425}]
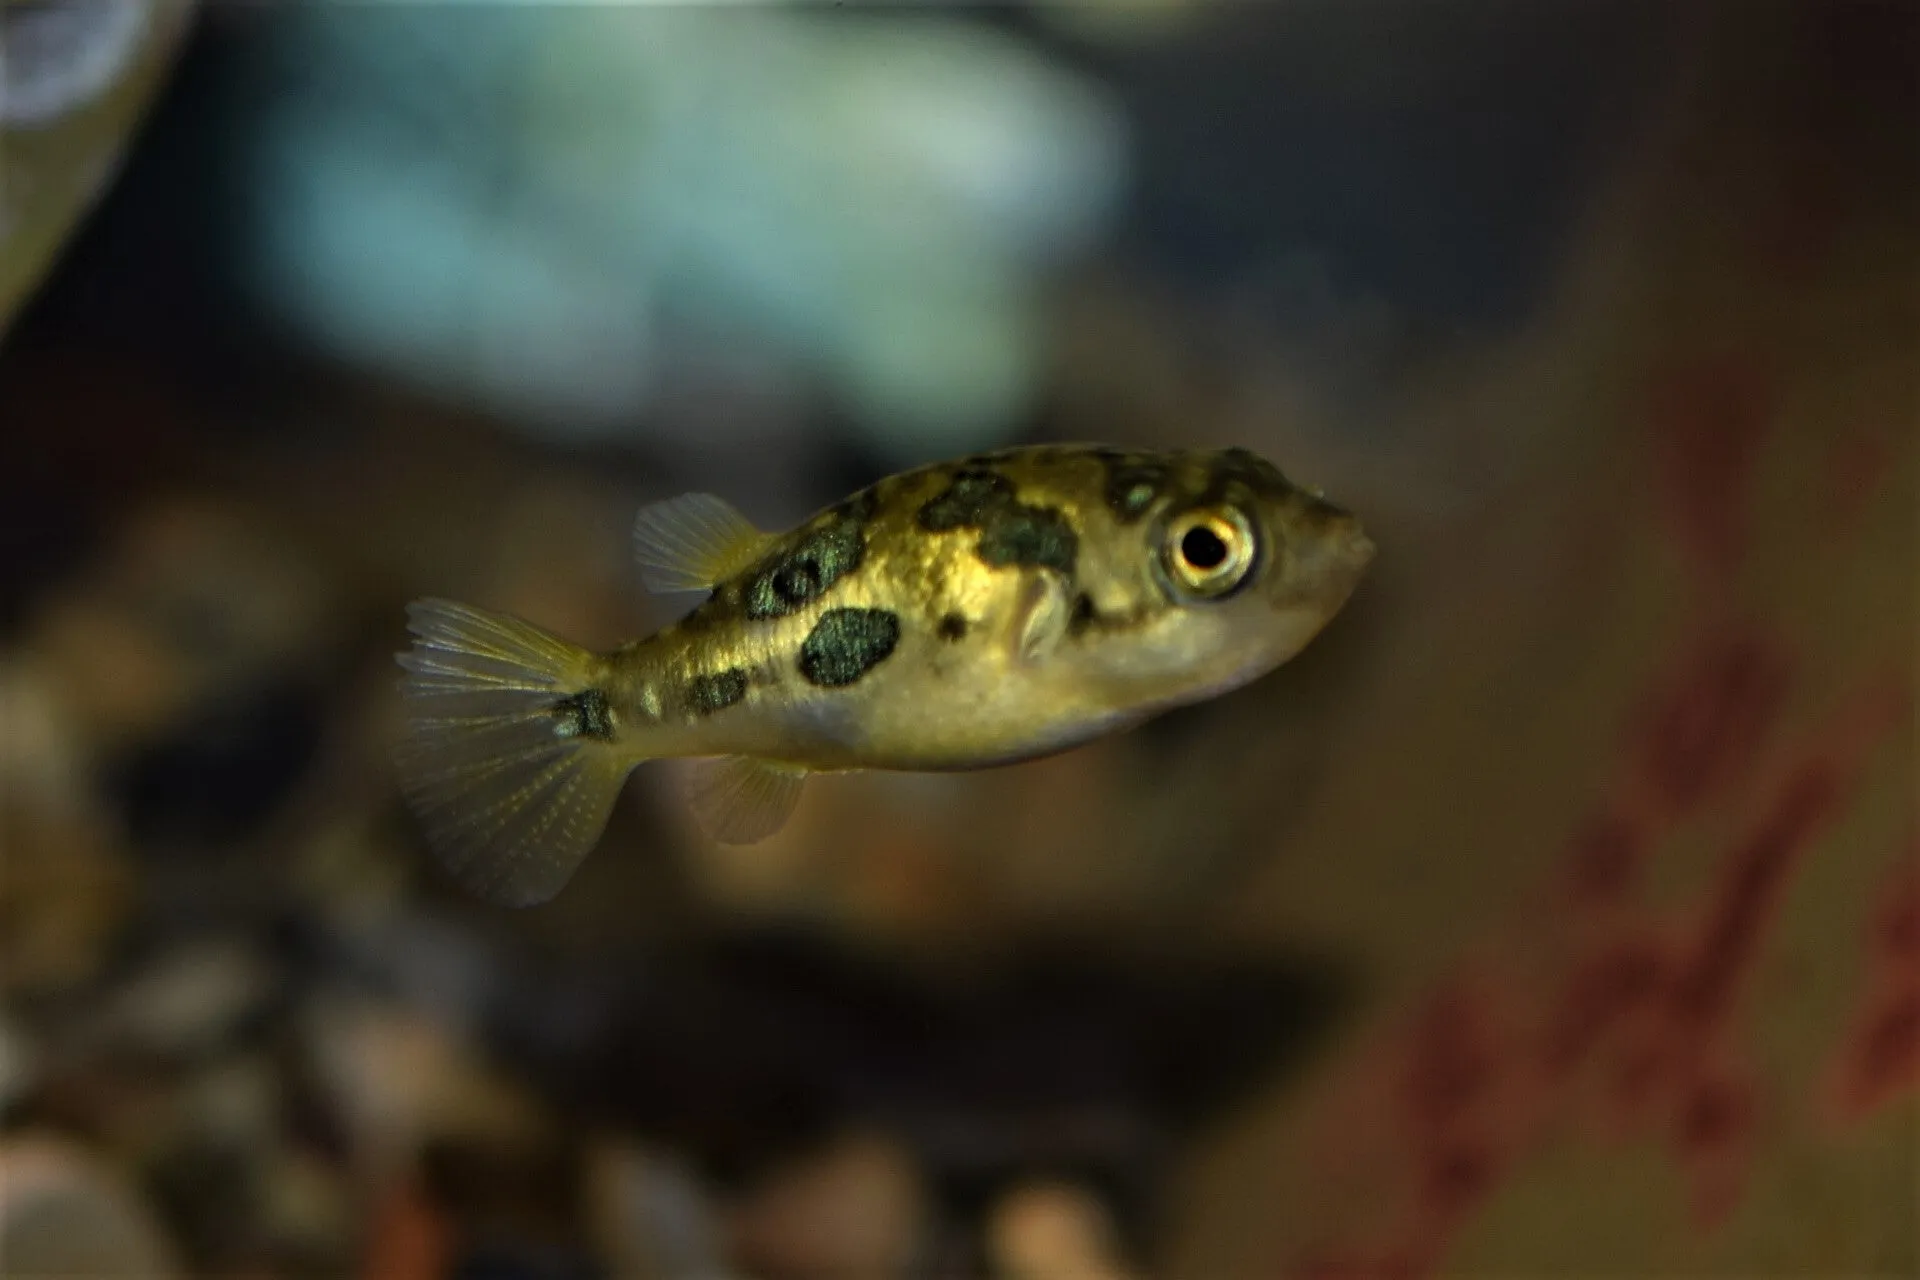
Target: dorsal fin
[{"x": 694, "y": 541}]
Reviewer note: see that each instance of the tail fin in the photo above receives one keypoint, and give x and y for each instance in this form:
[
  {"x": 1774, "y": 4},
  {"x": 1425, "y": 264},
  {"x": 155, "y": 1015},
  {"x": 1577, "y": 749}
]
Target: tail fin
[{"x": 509, "y": 758}]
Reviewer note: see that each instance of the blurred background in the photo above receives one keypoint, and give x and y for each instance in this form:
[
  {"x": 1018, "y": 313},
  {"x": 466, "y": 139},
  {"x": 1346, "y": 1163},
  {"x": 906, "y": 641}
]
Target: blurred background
[{"x": 1557, "y": 912}]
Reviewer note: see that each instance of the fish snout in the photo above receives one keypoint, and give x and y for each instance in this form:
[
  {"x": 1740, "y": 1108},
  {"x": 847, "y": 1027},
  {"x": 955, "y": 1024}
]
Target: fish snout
[{"x": 1332, "y": 561}]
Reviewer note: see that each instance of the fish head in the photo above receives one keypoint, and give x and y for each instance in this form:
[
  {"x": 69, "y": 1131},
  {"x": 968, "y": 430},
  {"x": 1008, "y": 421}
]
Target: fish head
[{"x": 1233, "y": 571}]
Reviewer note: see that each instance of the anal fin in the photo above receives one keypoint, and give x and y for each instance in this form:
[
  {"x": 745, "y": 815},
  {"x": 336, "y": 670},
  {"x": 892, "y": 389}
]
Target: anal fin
[{"x": 740, "y": 800}]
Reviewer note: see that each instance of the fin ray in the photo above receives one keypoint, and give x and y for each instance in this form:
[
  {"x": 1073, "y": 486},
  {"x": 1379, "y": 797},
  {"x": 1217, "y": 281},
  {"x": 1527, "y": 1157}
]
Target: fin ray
[
  {"x": 740, "y": 800},
  {"x": 1039, "y": 617},
  {"x": 694, "y": 541},
  {"x": 510, "y": 805}
]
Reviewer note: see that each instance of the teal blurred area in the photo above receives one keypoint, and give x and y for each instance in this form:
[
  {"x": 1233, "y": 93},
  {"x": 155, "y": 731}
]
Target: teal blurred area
[{"x": 551, "y": 210}]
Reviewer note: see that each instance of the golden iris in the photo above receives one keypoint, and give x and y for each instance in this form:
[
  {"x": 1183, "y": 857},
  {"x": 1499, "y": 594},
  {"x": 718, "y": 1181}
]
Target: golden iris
[{"x": 1209, "y": 552}]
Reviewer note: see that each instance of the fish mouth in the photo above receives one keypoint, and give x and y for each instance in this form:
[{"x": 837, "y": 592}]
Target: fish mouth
[
  {"x": 1332, "y": 564},
  {"x": 1360, "y": 550}
]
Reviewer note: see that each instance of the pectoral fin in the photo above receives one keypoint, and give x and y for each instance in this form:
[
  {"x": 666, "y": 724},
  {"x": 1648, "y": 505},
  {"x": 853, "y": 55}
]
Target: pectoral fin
[{"x": 1040, "y": 616}]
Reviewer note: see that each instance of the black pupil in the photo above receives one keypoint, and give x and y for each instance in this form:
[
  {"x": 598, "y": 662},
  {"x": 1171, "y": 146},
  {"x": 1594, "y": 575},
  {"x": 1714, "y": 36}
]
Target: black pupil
[{"x": 1202, "y": 548}]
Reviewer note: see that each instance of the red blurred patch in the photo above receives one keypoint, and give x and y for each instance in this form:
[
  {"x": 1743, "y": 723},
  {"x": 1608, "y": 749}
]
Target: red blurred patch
[
  {"x": 1898, "y": 929},
  {"x": 1709, "y": 417},
  {"x": 1713, "y": 1137},
  {"x": 1879, "y": 1057},
  {"x": 1455, "y": 1177},
  {"x": 1604, "y": 860},
  {"x": 1451, "y": 1059},
  {"x": 1749, "y": 894},
  {"x": 1858, "y": 461},
  {"x": 1713, "y": 1116},
  {"x": 1497, "y": 1061},
  {"x": 1464, "y": 1106},
  {"x": 1353, "y": 1267},
  {"x": 409, "y": 1239},
  {"x": 1706, "y": 723},
  {"x": 1625, "y": 977}
]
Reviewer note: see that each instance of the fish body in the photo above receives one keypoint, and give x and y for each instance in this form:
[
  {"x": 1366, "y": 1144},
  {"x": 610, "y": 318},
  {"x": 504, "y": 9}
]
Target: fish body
[{"x": 967, "y": 614}]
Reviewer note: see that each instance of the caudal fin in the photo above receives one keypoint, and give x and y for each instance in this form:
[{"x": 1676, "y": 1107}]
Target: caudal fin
[{"x": 510, "y": 757}]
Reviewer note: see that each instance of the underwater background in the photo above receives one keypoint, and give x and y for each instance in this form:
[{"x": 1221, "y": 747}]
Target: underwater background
[{"x": 1556, "y": 912}]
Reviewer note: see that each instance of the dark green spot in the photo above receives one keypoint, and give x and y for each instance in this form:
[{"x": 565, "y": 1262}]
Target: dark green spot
[
  {"x": 710, "y": 693},
  {"x": 1236, "y": 474},
  {"x": 800, "y": 574},
  {"x": 584, "y": 715},
  {"x": 846, "y": 644},
  {"x": 1132, "y": 485},
  {"x": 1011, "y": 532},
  {"x": 953, "y": 627},
  {"x": 966, "y": 501},
  {"x": 1083, "y": 616},
  {"x": 861, "y": 507},
  {"x": 1029, "y": 535}
]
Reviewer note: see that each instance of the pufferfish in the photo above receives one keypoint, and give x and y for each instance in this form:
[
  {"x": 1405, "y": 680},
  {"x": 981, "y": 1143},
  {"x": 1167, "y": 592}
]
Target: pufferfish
[{"x": 974, "y": 613}]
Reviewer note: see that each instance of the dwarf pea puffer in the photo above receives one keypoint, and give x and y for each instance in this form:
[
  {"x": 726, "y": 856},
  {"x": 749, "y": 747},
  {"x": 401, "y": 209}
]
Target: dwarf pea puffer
[{"x": 967, "y": 614}]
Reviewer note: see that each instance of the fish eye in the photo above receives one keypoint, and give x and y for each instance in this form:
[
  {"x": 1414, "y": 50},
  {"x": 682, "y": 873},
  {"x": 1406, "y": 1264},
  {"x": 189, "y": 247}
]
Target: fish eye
[{"x": 1209, "y": 552}]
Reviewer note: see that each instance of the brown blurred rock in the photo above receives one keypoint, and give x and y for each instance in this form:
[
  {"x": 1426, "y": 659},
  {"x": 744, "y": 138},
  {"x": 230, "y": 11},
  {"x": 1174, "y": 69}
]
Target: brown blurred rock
[
  {"x": 1053, "y": 1231},
  {"x": 18, "y": 1061},
  {"x": 307, "y": 1218},
  {"x": 187, "y": 1002},
  {"x": 115, "y": 679},
  {"x": 241, "y": 1194},
  {"x": 64, "y": 893},
  {"x": 651, "y": 1219},
  {"x": 396, "y": 1082},
  {"x": 408, "y": 1238},
  {"x": 236, "y": 1101},
  {"x": 63, "y": 1213},
  {"x": 857, "y": 1211},
  {"x": 41, "y": 758},
  {"x": 195, "y": 597},
  {"x": 354, "y": 872}
]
